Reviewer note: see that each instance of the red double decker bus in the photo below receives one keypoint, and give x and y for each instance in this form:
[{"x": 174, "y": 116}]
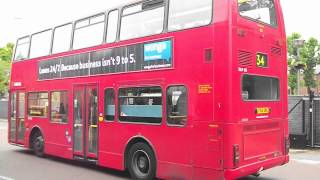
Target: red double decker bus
[{"x": 172, "y": 89}]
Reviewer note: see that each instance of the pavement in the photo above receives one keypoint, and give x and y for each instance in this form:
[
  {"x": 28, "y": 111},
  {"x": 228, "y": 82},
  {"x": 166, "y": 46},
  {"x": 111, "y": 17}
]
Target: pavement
[
  {"x": 306, "y": 156},
  {"x": 17, "y": 163},
  {"x": 3, "y": 126}
]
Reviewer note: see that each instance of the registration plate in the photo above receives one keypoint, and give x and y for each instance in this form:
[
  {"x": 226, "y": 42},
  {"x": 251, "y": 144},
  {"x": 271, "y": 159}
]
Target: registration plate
[{"x": 263, "y": 110}]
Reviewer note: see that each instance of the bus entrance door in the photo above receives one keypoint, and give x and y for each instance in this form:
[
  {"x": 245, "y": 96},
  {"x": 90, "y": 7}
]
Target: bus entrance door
[
  {"x": 85, "y": 122},
  {"x": 17, "y": 117}
]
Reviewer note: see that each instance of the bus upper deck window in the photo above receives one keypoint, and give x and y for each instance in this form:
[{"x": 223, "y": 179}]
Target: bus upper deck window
[
  {"x": 22, "y": 49},
  {"x": 189, "y": 14},
  {"x": 260, "y": 10},
  {"x": 89, "y": 32},
  {"x": 62, "y": 38},
  {"x": 112, "y": 26},
  {"x": 40, "y": 44},
  {"x": 141, "y": 20}
]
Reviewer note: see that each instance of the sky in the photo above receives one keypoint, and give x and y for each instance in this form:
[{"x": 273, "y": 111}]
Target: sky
[{"x": 20, "y": 17}]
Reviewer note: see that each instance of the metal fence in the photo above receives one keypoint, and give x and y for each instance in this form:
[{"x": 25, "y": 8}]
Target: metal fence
[
  {"x": 3, "y": 109},
  {"x": 304, "y": 122}
]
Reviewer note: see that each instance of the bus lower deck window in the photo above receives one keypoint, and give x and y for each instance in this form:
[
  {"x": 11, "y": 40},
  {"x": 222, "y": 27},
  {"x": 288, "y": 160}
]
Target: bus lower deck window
[
  {"x": 260, "y": 88},
  {"x": 59, "y": 107},
  {"x": 143, "y": 105},
  {"x": 38, "y": 104},
  {"x": 177, "y": 102},
  {"x": 109, "y": 105}
]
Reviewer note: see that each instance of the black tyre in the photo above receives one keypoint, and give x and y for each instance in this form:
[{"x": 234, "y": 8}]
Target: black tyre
[
  {"x": 141, "y": 162},
  {"x": 38, "y": 145},
  {"x": 256, "y": 174}
]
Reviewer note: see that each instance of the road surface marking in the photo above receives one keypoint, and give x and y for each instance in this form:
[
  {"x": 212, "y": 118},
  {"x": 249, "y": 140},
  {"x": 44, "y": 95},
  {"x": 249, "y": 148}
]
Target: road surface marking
[
  {"x": 5, "y": 178},
  {"x": 306, "y": 161},
  {"x": 298, "y": 150}
]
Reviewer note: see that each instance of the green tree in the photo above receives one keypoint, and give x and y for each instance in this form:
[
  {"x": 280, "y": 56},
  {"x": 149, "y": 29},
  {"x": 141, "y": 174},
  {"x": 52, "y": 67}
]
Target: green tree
[
  {"x": 310, "y": 56},
  {"x": 5, "y": 63},
  {"x": 6, "y": 52},
  {"x": 293, "y": 62}
]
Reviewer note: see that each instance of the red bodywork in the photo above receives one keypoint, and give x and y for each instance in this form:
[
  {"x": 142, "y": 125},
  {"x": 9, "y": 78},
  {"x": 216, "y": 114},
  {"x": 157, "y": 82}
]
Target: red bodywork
[{"x": 217, "y": 119}]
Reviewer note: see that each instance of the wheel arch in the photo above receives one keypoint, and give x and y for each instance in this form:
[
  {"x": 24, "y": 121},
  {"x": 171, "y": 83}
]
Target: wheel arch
[
  {"x": 137, "y": 139},
  {"x": 33, "y": 132}
]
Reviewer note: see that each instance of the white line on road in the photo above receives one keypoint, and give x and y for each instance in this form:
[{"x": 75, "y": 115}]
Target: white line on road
[
  {"x": 306, "y": 161},
  {"x": 5, "y": 178},
  {"x": 298, "y": 150}
]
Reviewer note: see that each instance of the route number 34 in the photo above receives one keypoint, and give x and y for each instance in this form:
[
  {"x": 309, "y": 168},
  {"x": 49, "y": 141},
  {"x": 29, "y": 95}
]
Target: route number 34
[{"x": 261, "y": 60}]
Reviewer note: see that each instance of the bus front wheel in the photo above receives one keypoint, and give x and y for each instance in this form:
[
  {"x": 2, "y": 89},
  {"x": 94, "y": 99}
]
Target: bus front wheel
[
  {"x": 38, "y": 145},
  {"x": 141, "y": 162}
]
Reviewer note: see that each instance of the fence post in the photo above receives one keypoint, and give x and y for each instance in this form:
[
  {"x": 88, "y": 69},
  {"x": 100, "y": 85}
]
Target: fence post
[
  {"x": 311, "y": 98},
  {"x": 303, "y": 116}
]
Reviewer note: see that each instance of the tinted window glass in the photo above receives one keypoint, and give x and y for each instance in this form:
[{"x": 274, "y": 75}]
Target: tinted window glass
[
  {"x": 92, "y": 109},
  {"x": 112, "y": 26},
  {"x": 140, "y": 104},
  {"x": 260, "y": 10},
  {"x": 109, "y": 105},
  {"x": 22, "y": 49},
  {"x": 13, "y": 115},
  {"x": 59, "y": 107},
  {"x": 62, "y": 38},
  {"x": 38, "y": 104},
  {"x": 40, "y": 44},
  {"x": 89, "y": 32},
  {"x": 13, "y": 105},
  {"x": 188, "y": 14},
  {"x": 177, "y": 102},
  {"x": 21, "y": 105},
  {"x": 142, "y": 20},
  {"x": 260, "y": 88}
]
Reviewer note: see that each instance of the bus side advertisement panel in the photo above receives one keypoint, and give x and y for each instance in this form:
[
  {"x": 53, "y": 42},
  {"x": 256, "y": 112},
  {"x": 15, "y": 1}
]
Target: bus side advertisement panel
[{"x": 139, "y": 57}]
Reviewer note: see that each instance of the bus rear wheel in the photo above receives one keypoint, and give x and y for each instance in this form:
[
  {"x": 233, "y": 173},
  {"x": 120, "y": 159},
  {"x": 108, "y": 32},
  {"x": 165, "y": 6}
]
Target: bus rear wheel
[
  {"x": 141, "y": 162},
  {"x": 38, "y": 145}
]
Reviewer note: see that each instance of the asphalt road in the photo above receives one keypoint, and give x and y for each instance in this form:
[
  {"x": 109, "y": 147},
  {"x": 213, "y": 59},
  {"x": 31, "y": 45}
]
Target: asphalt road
[{"x": 20, "y": 164}]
